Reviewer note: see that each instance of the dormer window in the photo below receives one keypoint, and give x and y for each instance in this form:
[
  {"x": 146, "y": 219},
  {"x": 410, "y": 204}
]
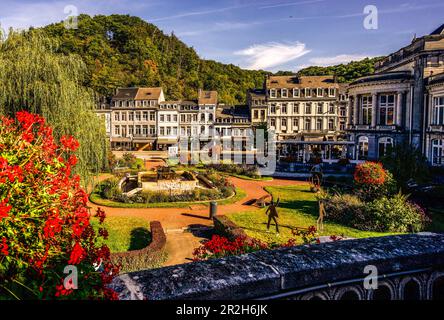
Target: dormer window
[
  {"x": 320, "y": 92},
  {"x": 307, "y": 92},
  {"x": 296, "y": 93},
  {"x": 273, "y": 93},
  {"x": 331, "y": 92},
  {"x": 284, "y": 93}
]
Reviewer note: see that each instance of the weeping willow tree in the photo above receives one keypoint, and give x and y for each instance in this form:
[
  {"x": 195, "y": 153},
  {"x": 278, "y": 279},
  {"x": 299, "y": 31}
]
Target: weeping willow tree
[{"x": 36, "y": 78}]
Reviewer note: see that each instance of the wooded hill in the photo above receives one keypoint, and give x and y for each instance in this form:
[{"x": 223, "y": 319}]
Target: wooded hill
[{"x": 122, "y": 51}]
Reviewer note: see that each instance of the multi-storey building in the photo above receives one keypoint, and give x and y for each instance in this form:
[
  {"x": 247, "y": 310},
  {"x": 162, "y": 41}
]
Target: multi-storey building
[
  {"x": 388, "y": 107},
  {"x": 307, "y": 114},
  {"x": 434, "y": 128},
  {"x": 257, "y": 102},
  {"x": 133, "y": 118},
  {"x": 167, "y": 124}
]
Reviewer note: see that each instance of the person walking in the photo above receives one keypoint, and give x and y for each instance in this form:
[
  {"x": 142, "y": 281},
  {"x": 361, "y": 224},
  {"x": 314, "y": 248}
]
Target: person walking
[{"x": 272, "y": 215}]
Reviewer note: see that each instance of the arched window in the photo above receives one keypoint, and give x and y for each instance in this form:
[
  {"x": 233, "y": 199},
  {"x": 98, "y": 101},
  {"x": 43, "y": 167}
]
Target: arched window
[
  {"x": 384, "y": 145},
  {"x": 438, "y": 152},
  {"x": 367, "y": 107},
  {"x": 202, "y": 129},
  {"x": 202, "y": 117},
  {"x": 210, "y": 117},
  {"x": 362, "y": 148}
]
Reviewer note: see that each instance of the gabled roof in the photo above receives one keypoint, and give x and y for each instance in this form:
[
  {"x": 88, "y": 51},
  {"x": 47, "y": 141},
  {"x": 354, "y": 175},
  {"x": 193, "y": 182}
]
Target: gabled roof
[
  {"x": 438, "y": 31},
  {"x": 138, "y": 93},
  {"x": 207, "y": 97}
]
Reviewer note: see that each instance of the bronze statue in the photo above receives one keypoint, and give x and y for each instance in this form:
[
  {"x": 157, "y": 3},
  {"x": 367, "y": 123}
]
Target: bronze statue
[{"x": 272, "y": 215}]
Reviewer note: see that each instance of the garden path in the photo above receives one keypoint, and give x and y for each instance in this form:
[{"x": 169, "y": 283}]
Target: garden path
[{"x": 185, "y": 227}]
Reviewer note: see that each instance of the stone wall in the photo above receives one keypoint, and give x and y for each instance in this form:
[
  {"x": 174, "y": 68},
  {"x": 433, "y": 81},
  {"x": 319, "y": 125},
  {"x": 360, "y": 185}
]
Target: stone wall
[{"x": 323, "y": 271}]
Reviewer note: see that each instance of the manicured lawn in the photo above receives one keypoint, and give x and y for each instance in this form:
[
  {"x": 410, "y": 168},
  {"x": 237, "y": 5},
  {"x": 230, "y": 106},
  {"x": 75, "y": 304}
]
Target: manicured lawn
[
  {"x": 95, "y": 198},
  {"x": 298, "y": 209},
  {"x": 126, "y": 233}
]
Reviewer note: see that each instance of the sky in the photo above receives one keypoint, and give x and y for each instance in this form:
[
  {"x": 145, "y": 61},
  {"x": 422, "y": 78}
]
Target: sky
[{"x": 265, "y": 34}]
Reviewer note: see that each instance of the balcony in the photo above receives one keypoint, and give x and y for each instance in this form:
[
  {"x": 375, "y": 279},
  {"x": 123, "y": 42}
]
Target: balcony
[
  {"x": 386, "y": 128},
  {"x": 436, "y": 128}
]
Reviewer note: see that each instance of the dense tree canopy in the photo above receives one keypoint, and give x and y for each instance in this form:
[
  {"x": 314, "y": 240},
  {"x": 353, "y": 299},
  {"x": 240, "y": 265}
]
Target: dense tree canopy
[
  {"x": 35, "y": 78},
  {"x": 121, "y": 50},
  {"x": 345, "y": 72}
]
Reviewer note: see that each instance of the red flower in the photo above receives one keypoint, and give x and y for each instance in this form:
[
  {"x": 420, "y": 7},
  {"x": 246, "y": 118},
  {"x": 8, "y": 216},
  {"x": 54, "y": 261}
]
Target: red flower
[
  {"x": 69, "y": 143},
  {"x": 4, "y": 209},
  {"x": 77, "y": 254},
  {"x": 4, "y": 247}
]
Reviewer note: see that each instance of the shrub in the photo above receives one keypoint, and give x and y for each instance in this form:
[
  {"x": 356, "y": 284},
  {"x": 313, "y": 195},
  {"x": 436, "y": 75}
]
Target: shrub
[
  {"x": 109, "y": 188},
  {"x": 348, "y": 210},
  {"x": 44, "y": 217},
  {"x": 372, "y": 181},
  {"x": 396, "y": 214}
]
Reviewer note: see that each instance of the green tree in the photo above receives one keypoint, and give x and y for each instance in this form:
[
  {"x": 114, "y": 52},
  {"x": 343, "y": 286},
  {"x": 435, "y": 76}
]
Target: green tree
[{"x": 35, "y": 78}]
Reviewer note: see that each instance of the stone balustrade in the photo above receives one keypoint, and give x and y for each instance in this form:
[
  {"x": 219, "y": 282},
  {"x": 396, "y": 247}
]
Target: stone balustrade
[{"x": 409, "y": 267}]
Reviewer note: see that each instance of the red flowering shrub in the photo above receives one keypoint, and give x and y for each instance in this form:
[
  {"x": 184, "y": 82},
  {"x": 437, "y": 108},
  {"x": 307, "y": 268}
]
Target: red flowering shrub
[
  {"x": 44, "y": 218},
  {"x": 219, "y": 247},
  {"x": 370, "y": 173},
  {"x": 372, "y": 181}
]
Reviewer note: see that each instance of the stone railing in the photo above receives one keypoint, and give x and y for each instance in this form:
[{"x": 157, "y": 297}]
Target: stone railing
[{"x": 408, "y": 266}]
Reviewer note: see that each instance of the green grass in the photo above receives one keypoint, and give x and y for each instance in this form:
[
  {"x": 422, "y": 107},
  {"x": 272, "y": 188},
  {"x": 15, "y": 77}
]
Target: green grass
[
  {"x": 95, "y": 198},
  {"x": 298, "y": 208},
  {"x": 250, "y": 178},
  {"x": 125, "y": 233}
]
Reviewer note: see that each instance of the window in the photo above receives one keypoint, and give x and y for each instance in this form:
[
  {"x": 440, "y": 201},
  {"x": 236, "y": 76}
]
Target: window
[
  {"x": 202, "y": 117},
  {"x": 308, "y": 124},
  {"x": 152, "y": 131},
  {"x": 384, "y": 145},
  {"x": 123, "y": 131},
  {"x": 295, "y": 123},
  {"x": 131, "y": 116},
  {"x": 175, "y": 118},
  {"x": 342, "y": 126},
  {"x": 319, "y": 92},
  {"x": 273, "y": 93},
  {"x": 202, "y": 129},
  {"x": 331, "y": 108},
  {"x": 138, "y": 131},
  {"x": 145, "y": 130},
  {"x": 331, "y": 125},
  {"x": 331, "y": 92},
  {"x": 438, "y": 152},
  {"x": 130, "y": 130},
  {"x": 362, "y": 148},
  {"x": 284, "y": 122},
  {"x": 116, "y": 116},
  {"x": 296, "y": 93},
  {"x": 262, "y": 114},
  {"x": 162, "y": 131},
  {"x": 438, "y": 111},
  {"x": 210, "y": 117},
  {"x": 319, "y": 124},
  {"x": 168, "y": 118},
  {"x": 296, "y": 108},
  {"x": 161, "y": 118},
  {"x": 386, "y": 109},
  {"x": 273, "y": 109},
  {"x": 308, "y": 108},
  {"x": 255, "y": 114},
  {"x": 123, "y": 116},
  {"x": 284, "y": 109},
  {"x": 137, "y": 116},
  {"x": 284, "y": 93},
  {"x": 272, "y": 123},
  {"x": 307, "y": 92},
  {"x": 145, "y": 116},
  {"x": 366, "y": 105},
  {"x": 320, "y": 108},
  {"x": 117, "y": 130}
]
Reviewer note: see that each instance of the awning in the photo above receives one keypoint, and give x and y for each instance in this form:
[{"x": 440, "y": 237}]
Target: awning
[{"x": 166, "y": 141}]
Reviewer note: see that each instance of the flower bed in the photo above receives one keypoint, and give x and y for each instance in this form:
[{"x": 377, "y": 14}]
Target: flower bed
[{"x": 149, "y": 257}]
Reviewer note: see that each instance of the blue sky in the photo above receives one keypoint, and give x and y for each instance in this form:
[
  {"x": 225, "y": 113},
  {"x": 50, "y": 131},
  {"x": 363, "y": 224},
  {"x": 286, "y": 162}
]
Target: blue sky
[{"x": 263, "y": 34}]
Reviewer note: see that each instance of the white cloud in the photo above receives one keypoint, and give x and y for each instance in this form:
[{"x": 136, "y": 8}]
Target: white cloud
[
  {"x": 342, "y": 58},
  {"x": 268, "y": 55}
]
